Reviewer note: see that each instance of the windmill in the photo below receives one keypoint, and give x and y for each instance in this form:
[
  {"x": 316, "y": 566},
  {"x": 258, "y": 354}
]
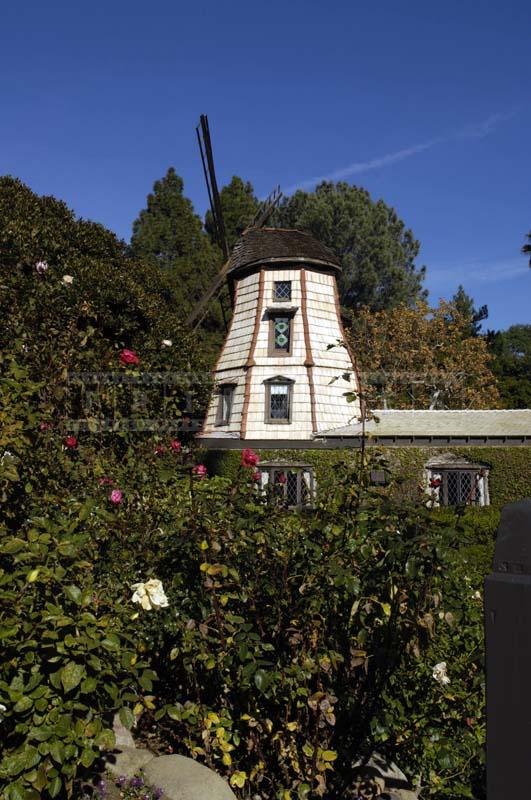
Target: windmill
[{"x": 264, "y": 212}]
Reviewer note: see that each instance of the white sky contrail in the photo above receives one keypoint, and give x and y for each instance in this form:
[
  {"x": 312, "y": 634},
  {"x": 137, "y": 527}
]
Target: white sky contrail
[{"x": 474, "y": 131}]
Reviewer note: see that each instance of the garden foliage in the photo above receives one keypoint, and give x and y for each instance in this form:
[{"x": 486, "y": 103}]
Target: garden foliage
[{"x": 282, "y": 645}]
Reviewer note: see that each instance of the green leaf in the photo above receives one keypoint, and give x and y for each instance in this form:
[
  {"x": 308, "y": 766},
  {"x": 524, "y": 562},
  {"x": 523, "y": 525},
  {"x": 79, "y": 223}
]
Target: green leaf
[
  {"x": 57, "y": 751},
  {"x": 54, "y": 787},
  {"x": 105, "y": 740},
  {"x": 88, "y": 685},
  {"x": 23, "y": 704},
  {"x": 71, "y": 675},
  {"x": 88, "y": 757},
  {"x": 126, "y": 717},
  {"x": 73, "y": 592},
  {"x": 261, "y": 679}
]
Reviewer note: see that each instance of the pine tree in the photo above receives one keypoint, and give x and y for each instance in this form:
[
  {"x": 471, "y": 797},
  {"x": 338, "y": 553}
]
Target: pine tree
[
  {"x": 169, "y": 233},
  {"x": 377, "y": 251},
  {"x": 465, "y": 306},
  {"x": 239, "y": 205}
]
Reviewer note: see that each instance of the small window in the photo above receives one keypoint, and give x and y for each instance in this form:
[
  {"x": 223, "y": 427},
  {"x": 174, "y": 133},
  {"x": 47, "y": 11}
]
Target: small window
[
  {"x": 280, "y": 335},
  {"x": 282, "y": 291},
  {"x": 293, "y": 485},
  {"x": 226, "y": 396},
  {"x": 458, "y": 486},
  {"x": 278, "y": 400}
]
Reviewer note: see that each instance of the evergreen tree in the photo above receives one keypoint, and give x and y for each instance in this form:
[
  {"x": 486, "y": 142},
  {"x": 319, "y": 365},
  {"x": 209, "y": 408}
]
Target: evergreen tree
[
  {"x": 465, "y": 306},
  {"x": 377, "y": 251},
  {"x": 512, "y": 364},
  {"x": 169, "y": 233},
  {"x": 239, "y": 205}
]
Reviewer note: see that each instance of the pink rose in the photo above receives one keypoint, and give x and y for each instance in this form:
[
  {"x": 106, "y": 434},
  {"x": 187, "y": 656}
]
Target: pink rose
[
  {"x": 129, "y": 357},
  {"x": 116, "y": 497},
  {"x": 175, "y": 445},
  {"x": 71, "y": 442},
  {"x": 105, "y": 481},
  {"x": 45, "y": 426},
  {"x": 249, "y": 458},
  {"x": 200, "y": 470}
]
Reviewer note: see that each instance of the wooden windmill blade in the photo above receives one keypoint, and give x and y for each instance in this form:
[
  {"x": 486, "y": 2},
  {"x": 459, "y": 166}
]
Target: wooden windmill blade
[
  {"x": 267, "y": 208},
  {"x": 207, "y": 159},
  {"x": 200, "y": 309}
]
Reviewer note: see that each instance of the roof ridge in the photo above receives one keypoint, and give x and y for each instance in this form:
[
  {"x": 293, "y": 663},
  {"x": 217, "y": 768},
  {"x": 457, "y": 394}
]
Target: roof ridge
[{"x": 449, "y": 410}]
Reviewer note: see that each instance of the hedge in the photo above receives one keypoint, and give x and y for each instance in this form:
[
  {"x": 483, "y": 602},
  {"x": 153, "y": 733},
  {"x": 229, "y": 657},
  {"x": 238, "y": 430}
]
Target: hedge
[{"x": 509, "y": 476}]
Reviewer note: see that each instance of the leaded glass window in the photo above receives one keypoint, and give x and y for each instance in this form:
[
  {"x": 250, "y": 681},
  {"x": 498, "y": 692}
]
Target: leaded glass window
[
  {"x": 463, "y": 486},
  {"x": 282, "y": 331},
  {"x": 291, "y": 485},
  {"x": 279, "y": 401},
  {"x": 282, "y": 290}
]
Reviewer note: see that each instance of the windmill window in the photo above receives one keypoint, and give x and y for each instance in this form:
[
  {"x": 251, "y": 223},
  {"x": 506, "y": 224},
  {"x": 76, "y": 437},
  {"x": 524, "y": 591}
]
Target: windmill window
[
  {"x": 450, "y": 485},
  {"x": 280, "y": 335},
  {"x": 278, "y": 400},
  {"x": 226, "y": 397},
  {"x": 282, "y": 291}
]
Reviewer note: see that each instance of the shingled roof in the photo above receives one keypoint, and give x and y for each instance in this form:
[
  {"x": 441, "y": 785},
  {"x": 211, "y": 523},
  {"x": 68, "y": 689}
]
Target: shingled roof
[
  {"x": 504, "y": 424},
  {"x": 269, "y": 245}
]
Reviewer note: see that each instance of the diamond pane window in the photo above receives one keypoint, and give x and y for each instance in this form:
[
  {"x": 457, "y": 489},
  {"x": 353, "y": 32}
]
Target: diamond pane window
[
  {"x": 282, "y": 290},
  {"x": 466, "y": 486},
  {"x": 282, "y": 333},
  {"x": 279, "y": 401},
  {"x": 292, "y": 485}
]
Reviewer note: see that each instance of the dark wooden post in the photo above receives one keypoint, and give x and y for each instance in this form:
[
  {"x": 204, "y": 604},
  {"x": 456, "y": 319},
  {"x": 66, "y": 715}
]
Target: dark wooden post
[{"x": 508, "y": 654}]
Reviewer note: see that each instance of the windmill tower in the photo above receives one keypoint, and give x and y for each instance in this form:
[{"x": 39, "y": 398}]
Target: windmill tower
[{"x": 279, "y": 379}]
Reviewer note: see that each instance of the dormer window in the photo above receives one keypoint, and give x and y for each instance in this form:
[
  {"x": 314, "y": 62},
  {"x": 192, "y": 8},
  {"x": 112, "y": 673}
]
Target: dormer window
[
  {"x": 226, "y": 397},
  {"x": 282, "y": 291},
  {"x": 279, "y": 392}
]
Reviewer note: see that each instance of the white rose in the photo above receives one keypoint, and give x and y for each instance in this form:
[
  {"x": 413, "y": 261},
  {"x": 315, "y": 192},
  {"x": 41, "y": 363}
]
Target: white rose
[
  {"x": 149, "y": 594},
  {"x": 41, "y": 267},
  {"x": 439, "y": 674},
  {"x": 68, "y": 280},
  {"x": 167, "y": 342}
]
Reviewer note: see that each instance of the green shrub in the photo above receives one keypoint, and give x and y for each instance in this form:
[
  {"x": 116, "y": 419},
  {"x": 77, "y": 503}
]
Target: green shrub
[
  {"x": 69, "y": 659},
  {"x": 283, "y": 629}
]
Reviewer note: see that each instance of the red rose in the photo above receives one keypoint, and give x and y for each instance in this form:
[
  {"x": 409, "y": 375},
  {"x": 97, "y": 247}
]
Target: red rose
[
  {"x": 175, "y": 445},
  {"x": 256, "y": 476},
  {"x": 45, "y": 426},
  {"x": 71, "y": 442},
  {"x": 249, "y": 458},
  {"x": 129, "y": 357},
  {"x": 160, "y": 450},
  {"x": 435, "y": 483},
  {"x": 282, "y": 478}
]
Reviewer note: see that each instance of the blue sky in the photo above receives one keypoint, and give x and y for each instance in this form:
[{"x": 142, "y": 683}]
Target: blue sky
[{"x": 427, "y": 105}]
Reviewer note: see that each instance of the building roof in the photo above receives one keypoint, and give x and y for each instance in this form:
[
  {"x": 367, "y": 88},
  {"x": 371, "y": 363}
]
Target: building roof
[
  {"x": 447, "y": 425},
  {"x": 270, "y": 245}
]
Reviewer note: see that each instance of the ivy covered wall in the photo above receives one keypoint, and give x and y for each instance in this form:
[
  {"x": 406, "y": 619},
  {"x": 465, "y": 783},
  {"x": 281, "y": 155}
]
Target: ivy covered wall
[{"x": 509, "y": 476}]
